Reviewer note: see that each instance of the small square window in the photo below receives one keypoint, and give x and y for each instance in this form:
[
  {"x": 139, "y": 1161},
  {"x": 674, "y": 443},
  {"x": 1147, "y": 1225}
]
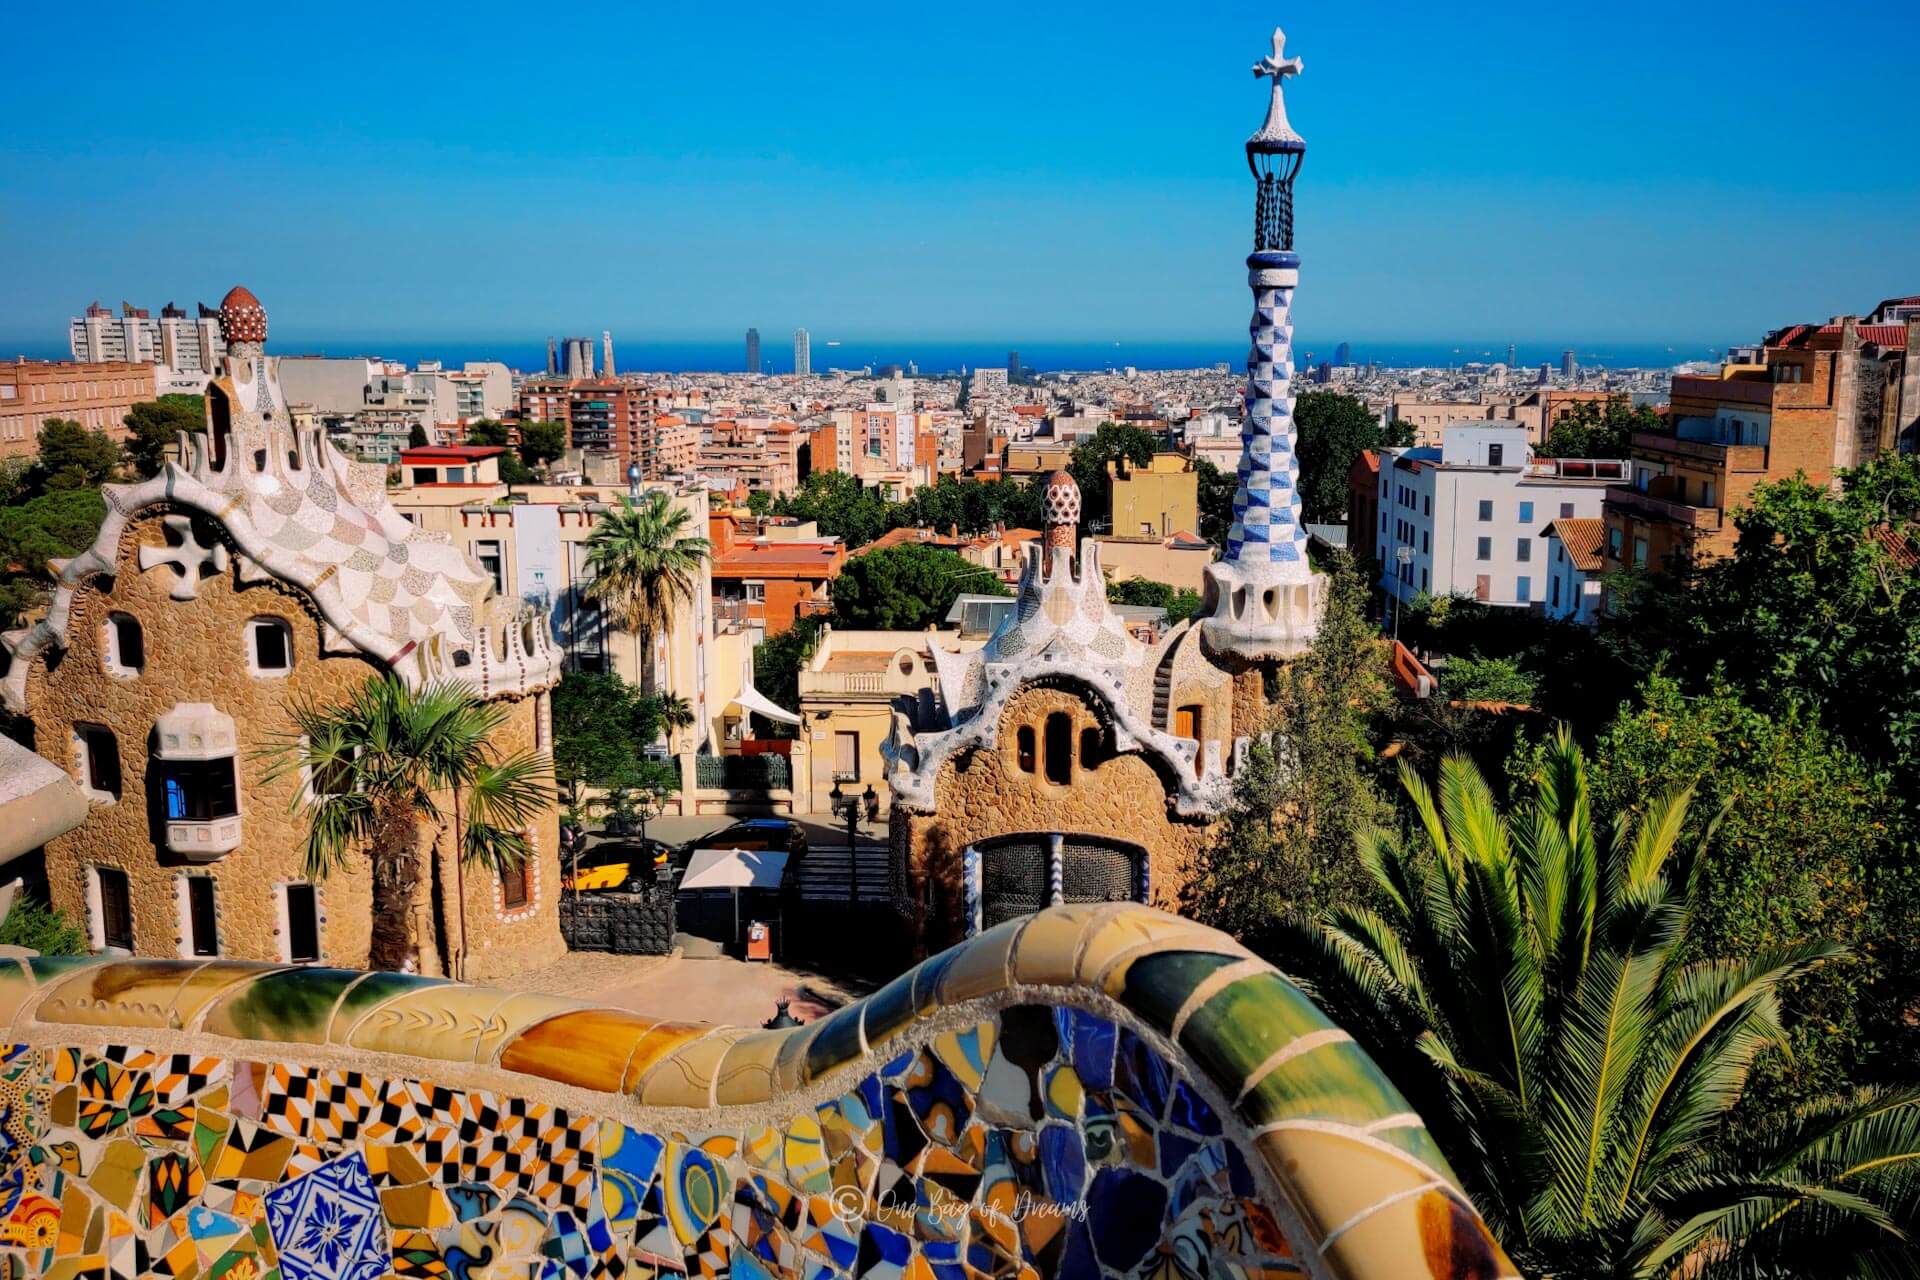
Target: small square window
[
  {"x": 1523, "y": 550},
  {"x": 302, "y": 942},
  {"x": 126, "y": 649},
  {"x": 99, "y": 761},
  {"x": 1523, "y": 590},
  {"x": 202, "y": 928},
  {"x": 516, "y": 884},
  {"x": 1526, "y": 513},
  {"x": 1486, "y": 509},
  {"x": 269, "y": 646},
  {"x": 1483, "y": 550},
  {"x": 1566, "y": 510}
]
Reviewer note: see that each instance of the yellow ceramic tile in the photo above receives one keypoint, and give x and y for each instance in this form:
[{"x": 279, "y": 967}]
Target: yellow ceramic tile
[
  {"x": 981, "y": 967},
  {"x": 790, "y": 1063},
  {"x": 16, "y": 988},
  {"x": 587, "y": 1047},
  {"x": 747, "y": 1072},
  {"x": 442, "y": 1022},
  {"x": 142, "y": 993},
  {"x": 684, "y": 1078},
  {"x": 1429, "y": 1235},
  {"x": 662, "y": 1040},
  {"x": 1335, "y": 1179},
  {"x": 1049, "y": 945},
  {"x": 1116, "y": 944}
]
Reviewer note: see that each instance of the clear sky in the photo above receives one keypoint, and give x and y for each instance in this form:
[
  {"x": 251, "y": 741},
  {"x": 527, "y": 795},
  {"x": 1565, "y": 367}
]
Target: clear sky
[{"x": 1022, "y": 172}]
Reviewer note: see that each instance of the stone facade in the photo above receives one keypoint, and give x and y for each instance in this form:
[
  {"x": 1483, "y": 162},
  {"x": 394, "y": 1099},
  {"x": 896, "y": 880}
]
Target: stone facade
[
  {"x": 260, "y": 572},
  {"x": 195, "y": 652}
]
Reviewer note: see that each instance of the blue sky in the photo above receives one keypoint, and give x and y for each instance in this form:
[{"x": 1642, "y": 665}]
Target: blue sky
[{"x": 1019, "y": 173}]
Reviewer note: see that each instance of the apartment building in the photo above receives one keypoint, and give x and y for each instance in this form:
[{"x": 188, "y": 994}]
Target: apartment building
[
  {"x": 186, "y": 350},
  {"x": 1470, "y": 517},
  {"x": 1814, "y": 399},
  {"x": 97, "y": 395}
]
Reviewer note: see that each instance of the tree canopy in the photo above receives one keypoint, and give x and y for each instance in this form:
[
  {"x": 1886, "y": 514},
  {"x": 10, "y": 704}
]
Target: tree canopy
[
  {"x": 971, "y": 506},
  {"x": 838, "y": 504},
  {"x": 1216, "y": 490},
  {"x": 601, "y": 727},
  {"x": 1113, "y": 442},
  {"x": 1180, "y": 605},
  {"x": 153, "y": 426},
  {"x": 72, "y": 457},
  {"x": 906, "y": 588},
  {"x": 1592, "y": 430},
  {"x": 1332, "y": 430}
]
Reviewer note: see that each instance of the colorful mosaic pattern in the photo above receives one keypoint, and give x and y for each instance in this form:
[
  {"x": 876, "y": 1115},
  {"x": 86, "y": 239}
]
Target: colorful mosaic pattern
[
  {"x": 1089, "y": 1092},
  {"x": 1266, "y": 503}
]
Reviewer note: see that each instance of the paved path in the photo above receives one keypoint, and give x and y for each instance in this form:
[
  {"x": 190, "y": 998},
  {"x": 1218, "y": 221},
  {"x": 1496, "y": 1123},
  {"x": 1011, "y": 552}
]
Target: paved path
[{"x": 719, "y": 990}]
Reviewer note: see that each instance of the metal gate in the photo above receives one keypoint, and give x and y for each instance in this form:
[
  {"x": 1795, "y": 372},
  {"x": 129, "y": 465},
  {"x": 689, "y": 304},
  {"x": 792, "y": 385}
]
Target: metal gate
[{"x": 1016, "y": 875}]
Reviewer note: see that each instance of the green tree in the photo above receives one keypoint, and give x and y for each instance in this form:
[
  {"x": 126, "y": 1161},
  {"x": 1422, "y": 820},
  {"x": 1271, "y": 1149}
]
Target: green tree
[
  {"x": 972, "y": 506},
  {"x": 601, "y": 725},
  {"x": 1180, "y": 605},
  {"x": 1804, "y": 850},
  {"x": 1216, "y": 490},
  {"x": 41, "y": 928},
  {"x": 53, "y": 526},
  {"x": 542, "y": 442},
  {"x": 1305, "y": 789},
  {"x": 1331, "y": 431},
  {"x": 905, "y": 588},
  {"x": 154, "y": 426},
  {"x": 839, "y": 506},
  {"x": 645, "y": 564},
  {"x": 513, "y": 466},
  {"x": 417, "y": 437},
  {"x": 1592, "y": 430},
  {"x": 72, "y": 457},
  {"x": 1087, "y": 464},
  {"x": 382, "y": 763},
  {"x": 760, "y": 502},
  {"x": 777, "y": 661},
  {"x": 1474, "y": 679},
  {"x": 1527, "y": 982}
]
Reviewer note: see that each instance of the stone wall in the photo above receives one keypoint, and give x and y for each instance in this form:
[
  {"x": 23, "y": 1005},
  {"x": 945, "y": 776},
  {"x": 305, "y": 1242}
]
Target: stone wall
[
  {"x": 195, "y": 651},
  {"x": 1085, "y": 1092},
  {"x": 985, "y": 792}
]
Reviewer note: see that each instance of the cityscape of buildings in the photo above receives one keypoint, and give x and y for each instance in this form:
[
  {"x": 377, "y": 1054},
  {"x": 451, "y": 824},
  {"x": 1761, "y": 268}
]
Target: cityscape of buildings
[{"x": 1074, "y": 726}]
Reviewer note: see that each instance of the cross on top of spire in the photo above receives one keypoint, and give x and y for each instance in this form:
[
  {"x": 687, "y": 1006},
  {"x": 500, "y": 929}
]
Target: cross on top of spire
[
  {"x": 1276, "y": 136},
  {"x": 1275, "y": 64}
]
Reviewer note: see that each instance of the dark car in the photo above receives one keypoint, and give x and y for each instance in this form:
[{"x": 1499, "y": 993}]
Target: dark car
[{"x": 753, "y": 833}]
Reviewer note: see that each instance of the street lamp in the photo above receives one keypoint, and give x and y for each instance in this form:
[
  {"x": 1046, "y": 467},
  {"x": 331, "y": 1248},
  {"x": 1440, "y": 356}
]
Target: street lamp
[
  {"x": 1403, "y": 555},
  {"x": 853, "y": 808}
]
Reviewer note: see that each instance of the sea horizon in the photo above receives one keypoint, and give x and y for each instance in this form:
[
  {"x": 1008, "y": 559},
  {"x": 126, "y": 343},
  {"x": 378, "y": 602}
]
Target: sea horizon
[{"x": 949, "y": 356}]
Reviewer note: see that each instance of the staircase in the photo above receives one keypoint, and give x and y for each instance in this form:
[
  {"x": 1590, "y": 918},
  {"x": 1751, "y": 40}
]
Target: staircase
[{"x": 1163, "y": 692}]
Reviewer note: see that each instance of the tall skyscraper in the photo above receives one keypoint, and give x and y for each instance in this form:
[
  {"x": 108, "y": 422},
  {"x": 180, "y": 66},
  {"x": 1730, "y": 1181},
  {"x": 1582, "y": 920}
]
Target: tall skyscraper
[
  {"x": 1267, "y": 598},
  {"x": 577, "y": 356},
  {"x": 1013, "y": 366},
  {"x": 802, "y": 353},
  {"x": 606, "y": 352},
  {"x": 753, "y": 351},
  {"x": 1511, "y": 352},
  {"x": 553, "y": 356},
  {"x": 1569, "y": 367},
  {"x": 1342, "y": 356}
]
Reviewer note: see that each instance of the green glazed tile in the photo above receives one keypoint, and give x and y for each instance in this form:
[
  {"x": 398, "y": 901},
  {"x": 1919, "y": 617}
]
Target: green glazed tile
[
  {"x": 1159, "y": 984},
  {"x": 926, "y": 981},
  {"x": 294, "y": 1005},
  {"x": 369, "y": 994},
  {"x": 1244, "y": 1024},
  {"x": 888, "y": 1010}
]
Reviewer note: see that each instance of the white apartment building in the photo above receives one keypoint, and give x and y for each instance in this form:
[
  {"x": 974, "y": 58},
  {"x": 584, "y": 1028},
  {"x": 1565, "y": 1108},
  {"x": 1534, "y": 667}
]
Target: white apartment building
[
  {"x": 1471, "y": 516},
  {"x": 185, "y": 351}
]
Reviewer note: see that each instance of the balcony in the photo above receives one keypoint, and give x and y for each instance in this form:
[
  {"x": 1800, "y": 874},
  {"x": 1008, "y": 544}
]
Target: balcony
[
  {"x": 203, "y": 841},
  {"x": 1705, "y": 519},
  {"x": 1731, "y": 457}
]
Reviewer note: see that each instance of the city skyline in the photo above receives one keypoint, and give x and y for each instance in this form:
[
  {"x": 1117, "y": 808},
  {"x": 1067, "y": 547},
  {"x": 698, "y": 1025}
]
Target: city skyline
[{"x": 1439, "y": 212}]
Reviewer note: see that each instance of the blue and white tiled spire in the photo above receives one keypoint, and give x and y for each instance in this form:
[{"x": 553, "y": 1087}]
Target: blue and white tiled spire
[{"x": 1263, "y": 599}]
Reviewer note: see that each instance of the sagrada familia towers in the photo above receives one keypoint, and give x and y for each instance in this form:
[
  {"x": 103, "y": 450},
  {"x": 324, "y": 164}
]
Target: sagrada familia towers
[{"x": 1069, "y": 761}]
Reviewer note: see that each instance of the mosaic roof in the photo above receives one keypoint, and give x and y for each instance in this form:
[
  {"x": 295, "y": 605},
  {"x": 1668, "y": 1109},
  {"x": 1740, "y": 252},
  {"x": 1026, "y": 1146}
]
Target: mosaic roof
[
  {"x": 1173, "y": 1109},
  {"x": 299, "y": 511}
]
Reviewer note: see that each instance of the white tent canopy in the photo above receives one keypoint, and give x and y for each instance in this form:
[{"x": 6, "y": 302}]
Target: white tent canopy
[
  {"x": 758, "y": 703},
  {"x": 735, "y": 869}
]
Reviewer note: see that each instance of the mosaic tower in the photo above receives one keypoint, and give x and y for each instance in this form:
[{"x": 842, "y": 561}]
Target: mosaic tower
[{"x": 1263, "y": 599}]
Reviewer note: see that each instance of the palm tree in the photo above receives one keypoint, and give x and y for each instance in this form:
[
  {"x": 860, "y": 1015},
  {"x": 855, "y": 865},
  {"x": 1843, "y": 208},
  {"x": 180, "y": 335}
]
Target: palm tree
[
  {"x": 1528, "y": 982},
  {"x": 645, "y": 565},
  {"x": 377, "y": 767}
]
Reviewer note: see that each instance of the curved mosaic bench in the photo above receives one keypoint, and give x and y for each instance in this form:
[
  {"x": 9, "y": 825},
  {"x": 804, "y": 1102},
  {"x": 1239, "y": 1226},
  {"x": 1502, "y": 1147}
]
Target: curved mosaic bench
[{"x": 1090, "y": 1092}]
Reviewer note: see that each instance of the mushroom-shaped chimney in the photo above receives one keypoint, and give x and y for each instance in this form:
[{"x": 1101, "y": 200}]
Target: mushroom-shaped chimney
[
  {"x": 242, "y": 318},
  {"x": 1061, "y": 504}
]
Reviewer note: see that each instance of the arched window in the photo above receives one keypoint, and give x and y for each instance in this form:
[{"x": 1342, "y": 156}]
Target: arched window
[
  {"x": 1093, "y": 747},
  {"x": 1024, "y": 741},
  {"x": 1059, "y": 747},
  {"x": 126, "y": 651}
]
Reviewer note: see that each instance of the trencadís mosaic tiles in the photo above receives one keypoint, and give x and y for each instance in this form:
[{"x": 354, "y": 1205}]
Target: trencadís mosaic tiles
[{"x": 953, "y": 1126}]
